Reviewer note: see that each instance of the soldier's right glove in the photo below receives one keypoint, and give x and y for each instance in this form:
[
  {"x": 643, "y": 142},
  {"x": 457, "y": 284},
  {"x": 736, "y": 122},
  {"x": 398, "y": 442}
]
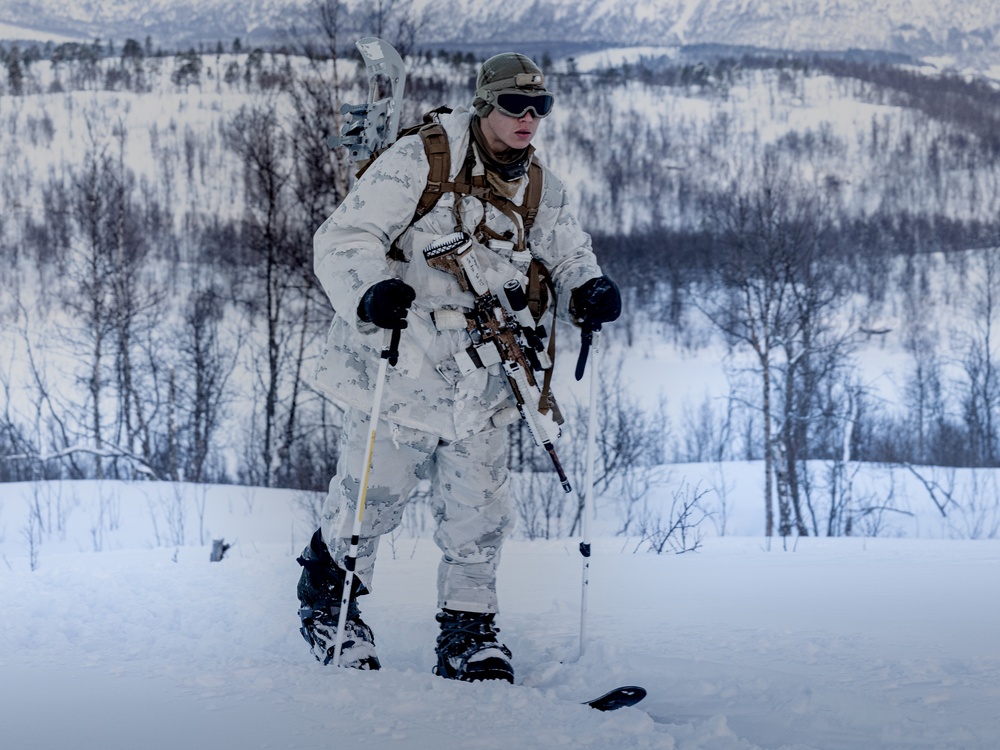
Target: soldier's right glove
[
  {"x": 385, "y": 304},
  {"x": 595, "y": 302}
]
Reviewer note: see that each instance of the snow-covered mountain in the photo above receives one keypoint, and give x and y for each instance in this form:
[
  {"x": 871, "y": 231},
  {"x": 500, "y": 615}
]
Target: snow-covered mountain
[{"x": 910, "y": 26}]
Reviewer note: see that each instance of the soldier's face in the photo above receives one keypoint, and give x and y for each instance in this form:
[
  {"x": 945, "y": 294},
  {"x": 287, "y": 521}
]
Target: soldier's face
[{"x": 506, "y": 133}]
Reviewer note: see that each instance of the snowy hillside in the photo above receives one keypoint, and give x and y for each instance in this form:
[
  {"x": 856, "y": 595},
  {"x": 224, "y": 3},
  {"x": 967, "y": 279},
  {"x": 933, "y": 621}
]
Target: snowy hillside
[
  {"x": 844, "y": 644},
  {"x": 912, "y": 189},
  {"x": 918, "y": 28}
]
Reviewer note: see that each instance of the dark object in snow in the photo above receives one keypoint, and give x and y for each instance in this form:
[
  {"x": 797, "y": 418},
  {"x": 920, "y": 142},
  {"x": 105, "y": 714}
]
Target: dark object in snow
[
  {"x": 219, "y": 549},
  {"x": 620, "y": 697}
]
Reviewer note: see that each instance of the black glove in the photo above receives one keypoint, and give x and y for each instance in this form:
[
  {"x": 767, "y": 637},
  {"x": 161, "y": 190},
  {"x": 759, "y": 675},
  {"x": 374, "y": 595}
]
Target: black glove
[
  {"x": 595, "y": 302},
  {"x": 385, "y": 304}
]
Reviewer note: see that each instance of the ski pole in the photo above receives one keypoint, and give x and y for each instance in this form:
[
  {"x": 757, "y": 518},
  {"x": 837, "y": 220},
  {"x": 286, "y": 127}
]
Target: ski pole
[
  {"x": 389, "y": 357},
  {"x": 592, "y": 338}
]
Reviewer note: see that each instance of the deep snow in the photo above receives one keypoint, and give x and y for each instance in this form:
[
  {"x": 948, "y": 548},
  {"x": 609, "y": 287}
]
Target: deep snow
[{"x": 854, "y": 643}]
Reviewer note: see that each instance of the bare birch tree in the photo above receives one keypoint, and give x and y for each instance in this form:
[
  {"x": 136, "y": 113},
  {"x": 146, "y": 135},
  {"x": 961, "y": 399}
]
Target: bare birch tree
[{"x": 775, "y": 298}]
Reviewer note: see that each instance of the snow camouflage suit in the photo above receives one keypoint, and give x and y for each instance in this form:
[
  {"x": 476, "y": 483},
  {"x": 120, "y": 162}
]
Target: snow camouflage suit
[{"x": 436, "y": 424}]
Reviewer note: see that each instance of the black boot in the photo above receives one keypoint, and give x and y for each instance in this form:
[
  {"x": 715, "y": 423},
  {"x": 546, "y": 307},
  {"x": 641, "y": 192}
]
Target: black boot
[
  {"x": 467, "y": 648},
  {"x": 320, "y": 589}
]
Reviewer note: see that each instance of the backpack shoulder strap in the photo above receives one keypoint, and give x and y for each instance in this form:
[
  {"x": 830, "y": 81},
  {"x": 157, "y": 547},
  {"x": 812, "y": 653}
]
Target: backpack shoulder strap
[
  {"x": 438, "y": 153},
  {"x": 533, "y": 194},
  {"x": 439, "y": 161}
]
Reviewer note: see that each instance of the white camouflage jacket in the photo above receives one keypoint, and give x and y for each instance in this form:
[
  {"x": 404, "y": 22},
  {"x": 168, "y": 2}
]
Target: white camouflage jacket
[{"x": 422, "y": 391}]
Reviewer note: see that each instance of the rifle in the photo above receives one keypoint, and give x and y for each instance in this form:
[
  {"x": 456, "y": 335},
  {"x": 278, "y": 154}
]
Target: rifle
[{"x": 504, "y": 335}]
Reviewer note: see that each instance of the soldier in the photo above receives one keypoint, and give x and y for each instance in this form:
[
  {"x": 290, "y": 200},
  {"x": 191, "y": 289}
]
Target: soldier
[{"x": 436, "y": 420}]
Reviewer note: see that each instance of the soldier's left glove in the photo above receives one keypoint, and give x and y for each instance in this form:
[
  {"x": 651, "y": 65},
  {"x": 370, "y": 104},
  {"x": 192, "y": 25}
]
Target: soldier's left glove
[{"x": 595, "y": 302}]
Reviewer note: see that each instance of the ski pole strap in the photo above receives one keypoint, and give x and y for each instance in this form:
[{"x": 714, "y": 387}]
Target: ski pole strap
[
  {"x": 391, "y": 352},
  {"x": 586, "y": 339}
]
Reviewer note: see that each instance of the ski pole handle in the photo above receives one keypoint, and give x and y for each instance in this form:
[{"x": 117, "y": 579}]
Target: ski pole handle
[{"x": 391, "y": 352}]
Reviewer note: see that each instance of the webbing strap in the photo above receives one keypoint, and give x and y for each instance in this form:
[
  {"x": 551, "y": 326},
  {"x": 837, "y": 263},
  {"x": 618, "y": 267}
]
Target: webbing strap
[
  {"x": 438, "y": 152},
  {"x": 527, "y": 210},
  {"x": 540, "y": 289},
  {"x": 436, "y": 147},
  {"x": 439, "y": 160},
  {"x": 533, "y": 194}
]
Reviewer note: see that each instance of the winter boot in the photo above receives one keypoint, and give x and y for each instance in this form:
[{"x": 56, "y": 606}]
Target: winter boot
[
  {"x": 467, "y": 648},
  {"x": 320, "y": 589}
]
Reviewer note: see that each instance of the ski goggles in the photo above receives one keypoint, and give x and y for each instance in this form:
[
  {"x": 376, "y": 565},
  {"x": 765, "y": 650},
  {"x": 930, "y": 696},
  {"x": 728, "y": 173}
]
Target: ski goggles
[{"x": 515, "y": 102}]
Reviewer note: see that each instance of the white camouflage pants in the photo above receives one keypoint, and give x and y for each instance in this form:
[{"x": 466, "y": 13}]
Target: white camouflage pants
[{"x": 470, "y": 495}]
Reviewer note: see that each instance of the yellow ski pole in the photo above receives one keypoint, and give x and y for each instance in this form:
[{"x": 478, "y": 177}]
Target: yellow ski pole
[{"x": 389, "y": 357}]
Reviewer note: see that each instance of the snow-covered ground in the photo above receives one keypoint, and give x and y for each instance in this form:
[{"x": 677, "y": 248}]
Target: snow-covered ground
[{"x": 857, "y": 643}]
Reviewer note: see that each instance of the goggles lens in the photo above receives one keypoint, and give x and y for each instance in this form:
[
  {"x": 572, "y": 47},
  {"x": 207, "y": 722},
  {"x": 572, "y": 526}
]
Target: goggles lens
[{"x": 516, "y": 103}]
